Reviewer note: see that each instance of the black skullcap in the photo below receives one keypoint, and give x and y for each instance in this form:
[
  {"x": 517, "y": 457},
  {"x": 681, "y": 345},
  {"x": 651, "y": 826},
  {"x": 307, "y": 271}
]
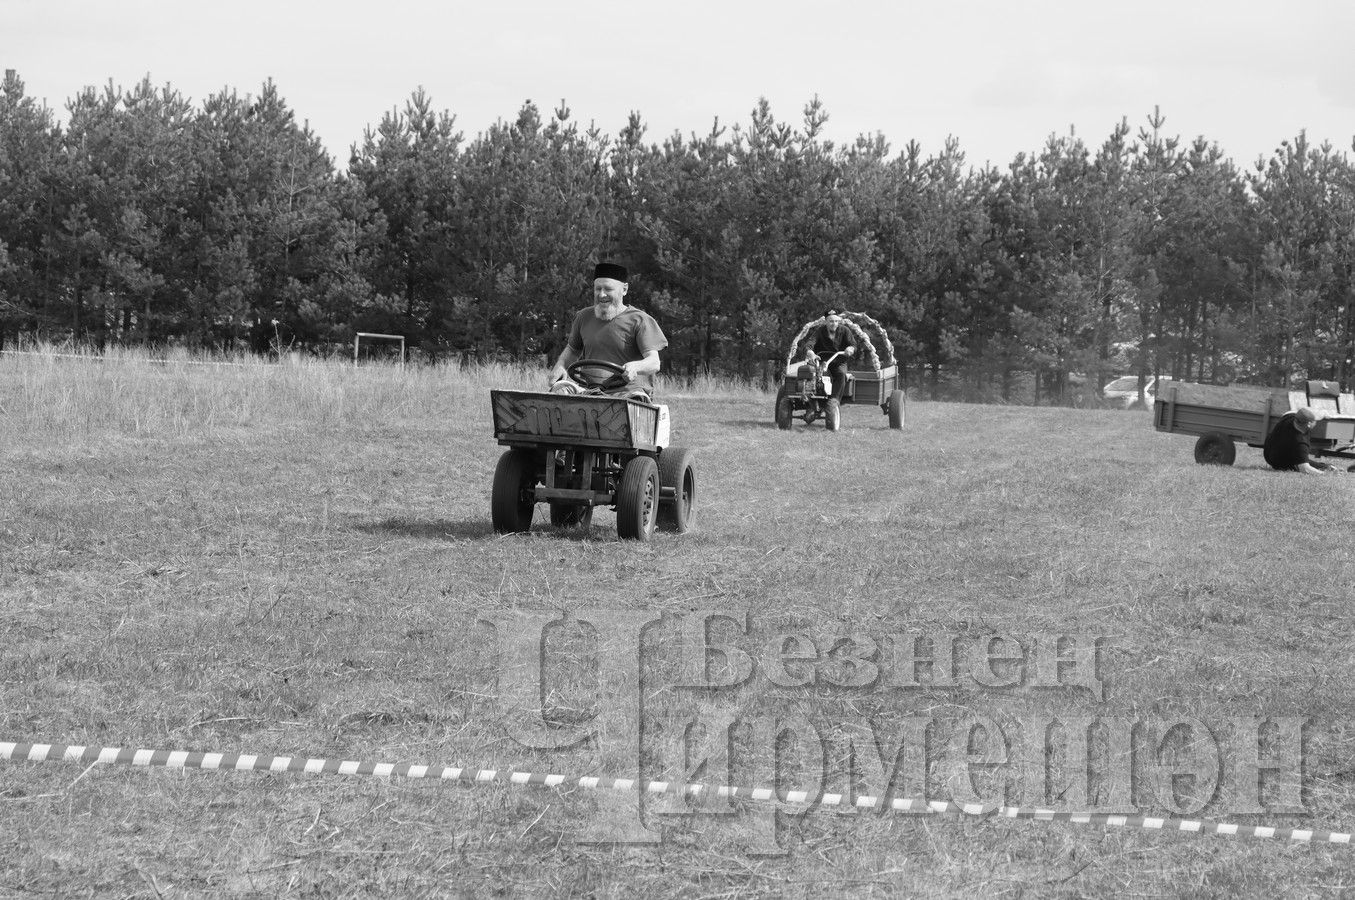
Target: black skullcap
[{"x": 610, "y": 270}]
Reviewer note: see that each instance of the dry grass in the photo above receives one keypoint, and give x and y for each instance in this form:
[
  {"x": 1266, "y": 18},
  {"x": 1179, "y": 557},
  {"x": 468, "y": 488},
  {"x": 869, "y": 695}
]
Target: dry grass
[{"x": 296, "y": 560}]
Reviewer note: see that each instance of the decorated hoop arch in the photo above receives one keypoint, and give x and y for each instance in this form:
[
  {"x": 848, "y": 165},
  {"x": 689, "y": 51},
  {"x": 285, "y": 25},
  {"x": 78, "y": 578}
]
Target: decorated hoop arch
[{"x": 853, "y": 321}]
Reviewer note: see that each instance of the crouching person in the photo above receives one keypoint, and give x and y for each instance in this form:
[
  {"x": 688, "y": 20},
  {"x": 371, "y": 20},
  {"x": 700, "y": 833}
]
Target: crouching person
[{"x": 1288, "y": 447}]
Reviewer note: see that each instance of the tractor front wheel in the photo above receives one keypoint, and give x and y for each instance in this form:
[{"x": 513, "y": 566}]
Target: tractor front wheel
[
  {"x": 514, "y": 494},
  {"x": 833, "y": 415},
  {"x": 637, "y": 499},
  {"x": 784, "y": 408}
]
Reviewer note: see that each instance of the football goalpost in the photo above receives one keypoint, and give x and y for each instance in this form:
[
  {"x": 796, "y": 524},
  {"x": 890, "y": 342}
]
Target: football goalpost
[{"x": 374, "y": 340}]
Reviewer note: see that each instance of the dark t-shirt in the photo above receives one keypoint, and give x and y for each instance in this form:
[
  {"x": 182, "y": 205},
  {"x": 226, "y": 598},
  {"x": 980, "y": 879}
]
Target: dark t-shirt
[
  {"x": 627, "y": 338},
  {"x": 1286, "y": 447}
]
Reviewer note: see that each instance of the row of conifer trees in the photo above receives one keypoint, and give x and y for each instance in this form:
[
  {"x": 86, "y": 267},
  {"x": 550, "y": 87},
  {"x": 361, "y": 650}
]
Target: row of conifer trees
[{"x": 141, "y": 218}]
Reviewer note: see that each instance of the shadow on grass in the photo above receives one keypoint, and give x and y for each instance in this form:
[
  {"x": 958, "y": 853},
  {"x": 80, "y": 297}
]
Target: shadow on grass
[
  {"x": 749, "y": 423},
  {"x": 603, "y": 533},
  {"x": 798, "y": 425},
  {"x": 444, "y": 530},
  {"x": 436, "y": 529}
]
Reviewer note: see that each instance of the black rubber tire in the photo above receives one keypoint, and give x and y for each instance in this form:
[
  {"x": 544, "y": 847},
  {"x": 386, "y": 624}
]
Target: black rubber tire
[
  {"x": 785, "y": 413},
  {"x": 637, "y": 499},
  {"x": 1215, "y": 449},
  {"x": 832, "y": 416},
  {"x": 677, "y": 471},
  {"x": 897, "y": 403},
  {"x": 570, "y": 515},
  {"x": 513, "y": 499}
]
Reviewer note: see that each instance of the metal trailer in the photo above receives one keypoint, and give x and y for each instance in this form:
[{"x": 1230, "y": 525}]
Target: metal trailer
[
  {"x": 578, "y": 452},
  {"x": 1222, "y": 417}
]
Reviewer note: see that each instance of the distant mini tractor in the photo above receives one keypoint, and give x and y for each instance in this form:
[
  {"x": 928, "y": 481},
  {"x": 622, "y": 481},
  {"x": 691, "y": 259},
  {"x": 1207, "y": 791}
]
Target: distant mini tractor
[{"x": 872, "y": 376}]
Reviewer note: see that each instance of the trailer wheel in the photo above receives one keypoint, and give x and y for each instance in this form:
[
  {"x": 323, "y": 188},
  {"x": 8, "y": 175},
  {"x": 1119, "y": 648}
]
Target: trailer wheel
[
  {"x": 514, "y": 493},
  {"x": 677, "y": 472},
  {"x": 1215, "y": 449},
  {"x": 896, "y": 404},
  {"x": 637, "y": 499}
]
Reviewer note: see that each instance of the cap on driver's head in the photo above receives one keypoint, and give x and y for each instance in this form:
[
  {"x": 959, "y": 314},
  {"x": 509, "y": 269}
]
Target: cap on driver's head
[
  {"x": 1305, "y": 418},
  {"x": 610, "y": 270}
]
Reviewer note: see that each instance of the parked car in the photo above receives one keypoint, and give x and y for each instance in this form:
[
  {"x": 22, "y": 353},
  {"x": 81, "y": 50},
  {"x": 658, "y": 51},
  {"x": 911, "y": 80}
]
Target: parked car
[{"x": 1124, "y": 391}]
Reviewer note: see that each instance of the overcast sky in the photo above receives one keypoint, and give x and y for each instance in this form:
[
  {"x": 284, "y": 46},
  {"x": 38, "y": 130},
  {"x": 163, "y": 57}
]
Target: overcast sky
[{"x": 998, "y": 75}]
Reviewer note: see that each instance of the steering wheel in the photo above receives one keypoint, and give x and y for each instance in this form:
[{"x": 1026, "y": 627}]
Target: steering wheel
[{"x": 615, "y": 380}]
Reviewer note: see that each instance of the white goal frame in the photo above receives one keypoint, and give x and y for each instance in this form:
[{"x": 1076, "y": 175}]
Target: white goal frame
[{"x": 357, "y": 343}]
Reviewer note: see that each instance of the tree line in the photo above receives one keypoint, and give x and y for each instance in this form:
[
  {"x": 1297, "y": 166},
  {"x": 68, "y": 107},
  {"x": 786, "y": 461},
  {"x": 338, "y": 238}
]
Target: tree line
[{"x": 144, "y": 219}]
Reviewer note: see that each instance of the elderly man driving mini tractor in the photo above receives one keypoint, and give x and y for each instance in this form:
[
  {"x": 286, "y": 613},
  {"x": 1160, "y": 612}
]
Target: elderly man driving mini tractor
[
  {"x": 840, "y": 364},
  {"x": 626, "y": 342},
  {"x": 596, "y": 438}
]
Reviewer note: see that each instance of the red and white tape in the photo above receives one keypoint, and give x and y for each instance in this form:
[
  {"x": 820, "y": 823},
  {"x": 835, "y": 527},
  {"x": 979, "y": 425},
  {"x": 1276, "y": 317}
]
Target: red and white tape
[{"x": 248, "y": 762}]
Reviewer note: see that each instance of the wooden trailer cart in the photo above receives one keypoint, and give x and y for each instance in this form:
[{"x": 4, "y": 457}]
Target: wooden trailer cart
[
  {"x": 578, "y": 452},
  {"x": 1222, "y": 417}
]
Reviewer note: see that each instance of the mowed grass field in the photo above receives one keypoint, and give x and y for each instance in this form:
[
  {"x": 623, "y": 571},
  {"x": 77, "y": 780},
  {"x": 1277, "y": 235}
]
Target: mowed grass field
[{"x": 298, "y": 560}]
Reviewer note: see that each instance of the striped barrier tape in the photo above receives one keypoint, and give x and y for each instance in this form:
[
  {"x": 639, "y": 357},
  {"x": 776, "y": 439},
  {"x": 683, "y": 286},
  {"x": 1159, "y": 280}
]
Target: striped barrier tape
[{"x": 247, "y": 762}]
